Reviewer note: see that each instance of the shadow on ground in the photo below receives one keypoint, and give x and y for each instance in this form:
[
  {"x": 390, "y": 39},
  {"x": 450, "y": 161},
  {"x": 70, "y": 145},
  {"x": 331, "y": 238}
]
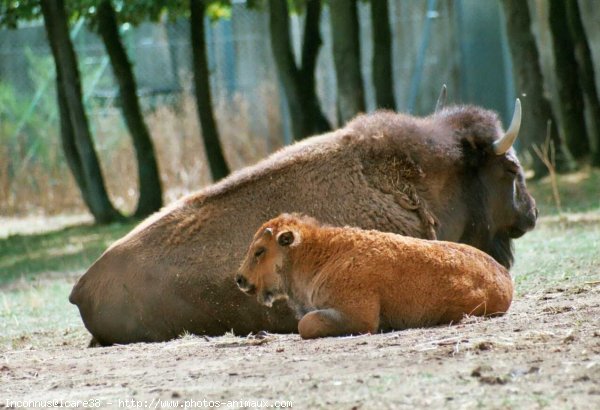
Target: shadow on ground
[{"x": 64, "y": 250}]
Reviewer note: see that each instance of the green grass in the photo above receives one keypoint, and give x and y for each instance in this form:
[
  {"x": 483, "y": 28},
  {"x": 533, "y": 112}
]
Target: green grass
[
  {"x": 563, "y": 249},
  {"x": 37, "y": 273},
  {"x": 36, "y": 306},
  {"x": 556, "y": 254},
  {"x": 579, "y": 192},
  {"x": 66, "y": 250}
]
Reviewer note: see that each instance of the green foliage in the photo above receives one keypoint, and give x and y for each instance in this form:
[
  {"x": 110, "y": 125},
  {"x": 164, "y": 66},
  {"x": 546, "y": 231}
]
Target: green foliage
[
  {"x": 219, "y": 10},
  {"x": 294, "y": 6},
  {"x": 14, "y": 11},
  {"x": 135, "y": 12},
  {"x": 297, "y": 6},
  {"x": 132, "y": 12},
  {"x": 256, "y": 4}
]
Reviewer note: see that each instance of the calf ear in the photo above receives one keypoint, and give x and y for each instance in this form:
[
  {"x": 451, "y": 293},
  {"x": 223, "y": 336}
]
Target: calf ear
[{"x": 285, "y": 238}]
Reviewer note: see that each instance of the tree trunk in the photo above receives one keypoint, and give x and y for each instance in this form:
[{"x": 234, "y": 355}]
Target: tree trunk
[
  {"x": 567, "y": 79},
  {"x": 529, "y": 83},
  {"x": 150, "y": 199},
  {"x": 299, "y": 84},
  {"x": 210, "y": 136},
  {"x": 68, "y": 141},
  {"x": 383, "y": 80},
  {"x": 75, "y": 130},
  {"x": 586, "y": 74},
  {"x": 311, "y": 45},
  {"x": 286, "y": 67},
  {"x": 346, "y": 57}
]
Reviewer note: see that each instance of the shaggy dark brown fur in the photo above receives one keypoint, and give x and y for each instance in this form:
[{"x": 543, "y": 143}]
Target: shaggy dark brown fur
[
  {"x": 433, "y": 177},
  {"x": 345, "y": 281}
]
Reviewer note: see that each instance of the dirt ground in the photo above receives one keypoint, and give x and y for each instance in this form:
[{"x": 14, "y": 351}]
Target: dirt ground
[{"x": 544, "y": 354}]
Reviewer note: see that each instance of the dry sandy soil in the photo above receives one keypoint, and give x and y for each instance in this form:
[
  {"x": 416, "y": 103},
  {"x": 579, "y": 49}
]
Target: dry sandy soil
[{"x": 544, "y": 354}]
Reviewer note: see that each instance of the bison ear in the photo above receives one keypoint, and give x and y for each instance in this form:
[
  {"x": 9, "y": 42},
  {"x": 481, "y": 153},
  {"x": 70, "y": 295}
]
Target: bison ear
[{"x": 285, "y": 238}]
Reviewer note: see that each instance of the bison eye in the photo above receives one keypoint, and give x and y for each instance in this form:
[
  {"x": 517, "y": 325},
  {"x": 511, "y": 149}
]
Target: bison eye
[
  {"x": 259, "y": 252},
  {"x": 512, "y": 171},
  {"x": 511, "y": 167}
]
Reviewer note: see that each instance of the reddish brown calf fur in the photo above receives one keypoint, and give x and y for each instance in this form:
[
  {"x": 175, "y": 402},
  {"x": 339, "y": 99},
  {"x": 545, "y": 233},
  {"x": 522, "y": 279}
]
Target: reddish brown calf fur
[{"x": 351, "y": 281}]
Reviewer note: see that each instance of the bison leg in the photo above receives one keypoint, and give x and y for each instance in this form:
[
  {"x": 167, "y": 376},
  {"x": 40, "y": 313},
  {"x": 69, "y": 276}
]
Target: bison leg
[{"x": 333, "y": 322}]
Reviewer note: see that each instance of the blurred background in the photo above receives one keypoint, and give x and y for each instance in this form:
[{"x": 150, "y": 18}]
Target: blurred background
[{"x": 261, "y": 60}]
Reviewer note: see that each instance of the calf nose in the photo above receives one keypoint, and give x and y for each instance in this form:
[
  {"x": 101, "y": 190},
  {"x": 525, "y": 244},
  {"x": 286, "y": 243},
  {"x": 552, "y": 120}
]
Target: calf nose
[
  {"x": 244, "y": 285},
  {"x": 241, "y": 281}
]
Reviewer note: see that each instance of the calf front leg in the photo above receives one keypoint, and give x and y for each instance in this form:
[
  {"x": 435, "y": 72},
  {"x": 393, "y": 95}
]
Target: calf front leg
[{"x": 333, "y": 322}]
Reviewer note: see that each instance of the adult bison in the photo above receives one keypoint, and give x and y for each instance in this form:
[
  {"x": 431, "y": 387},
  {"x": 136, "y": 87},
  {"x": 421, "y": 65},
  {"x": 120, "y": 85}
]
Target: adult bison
[{"x": 451, "y": 176}]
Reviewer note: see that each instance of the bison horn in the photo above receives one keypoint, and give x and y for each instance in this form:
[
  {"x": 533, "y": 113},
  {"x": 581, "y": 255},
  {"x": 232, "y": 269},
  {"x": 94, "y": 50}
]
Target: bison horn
[
  {"x": 508, "y": 139},
  {"x": 441, "y": 102}
]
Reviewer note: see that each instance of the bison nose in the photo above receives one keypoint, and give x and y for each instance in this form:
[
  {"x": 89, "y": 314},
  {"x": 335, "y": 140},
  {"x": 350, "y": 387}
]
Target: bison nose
[{"x": 532, "y": 218}]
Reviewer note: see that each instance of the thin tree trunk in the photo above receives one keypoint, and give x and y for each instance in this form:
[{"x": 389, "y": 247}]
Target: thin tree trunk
[
  {"x": 150, "y": 199},
  {"x": 586, "y": 74},
  {"x": 383, "y": 80},
  {"x": 567, "y": 79},
  {"x": 310, "y": 51},
  {"x": 210, "y": 136},
  {"x": 286, "y": 67},
  {"x": 529, "y": 83},
  {"x": 299, "y": 84},
  {"x": 76, "y": 134},
  {"x": 346, "y": 57}
]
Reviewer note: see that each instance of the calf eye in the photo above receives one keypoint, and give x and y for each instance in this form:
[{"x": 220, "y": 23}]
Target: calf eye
[{"x": 259, "y": 252}]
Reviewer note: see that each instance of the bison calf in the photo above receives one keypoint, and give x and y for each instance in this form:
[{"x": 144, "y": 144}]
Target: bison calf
[{"x": 349, "y": 281}]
